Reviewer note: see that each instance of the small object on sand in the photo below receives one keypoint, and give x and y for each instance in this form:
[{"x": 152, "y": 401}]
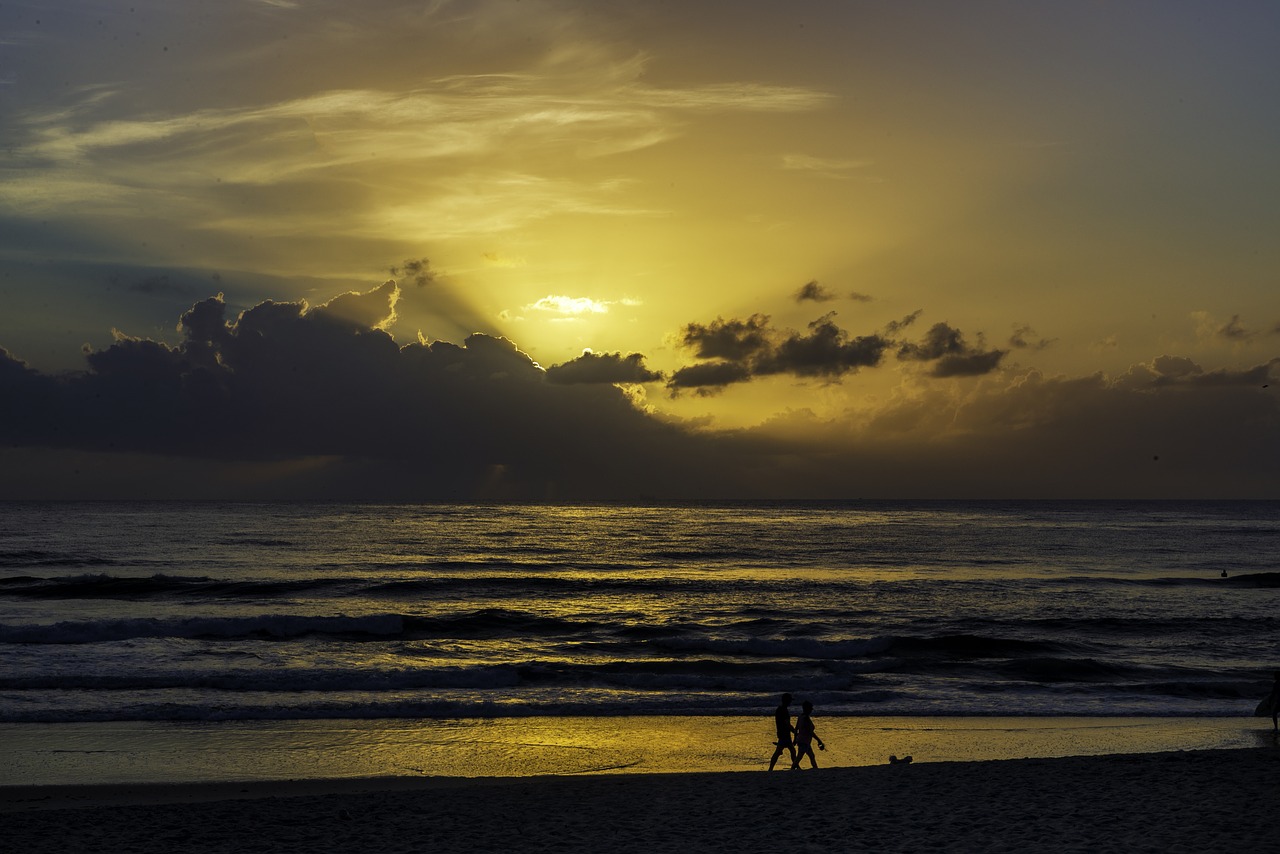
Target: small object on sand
[
  {"x": 344, "y": 815},
  {"x": 893, "y": 760}
]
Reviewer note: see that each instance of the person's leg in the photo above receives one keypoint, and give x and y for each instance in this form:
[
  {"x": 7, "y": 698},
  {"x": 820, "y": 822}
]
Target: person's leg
[{"x": 776, "y": 753}]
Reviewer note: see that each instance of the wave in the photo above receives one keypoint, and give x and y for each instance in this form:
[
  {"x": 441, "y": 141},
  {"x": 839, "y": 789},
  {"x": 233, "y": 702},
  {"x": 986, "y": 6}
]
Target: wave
[
  {"x": 649, "y": 675},
  {"x": 108, "y": 586},
  {"x": 496, "y": 622},
  {"x": 481, "y": 695},
  {"x": 104, "y": 586},
  {"x": 805, "y": 648},
  {"x": 261, "y": 542},
  {"x": 268, "y": 626},
  {"x": 364, "y": 707},
  {"x": 1211, "y": 578},
  {"x": 522, "y": 582},
  {"x": 1255, "y": 579},
  {"x": 38, "y": 557},
  {"x": 483, "y": 623},
  {"x": 533, "y": 584}
]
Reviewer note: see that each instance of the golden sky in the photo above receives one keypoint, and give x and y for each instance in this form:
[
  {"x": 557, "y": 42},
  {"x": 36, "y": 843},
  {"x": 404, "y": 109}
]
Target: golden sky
[{"x": 857, "y": 248}]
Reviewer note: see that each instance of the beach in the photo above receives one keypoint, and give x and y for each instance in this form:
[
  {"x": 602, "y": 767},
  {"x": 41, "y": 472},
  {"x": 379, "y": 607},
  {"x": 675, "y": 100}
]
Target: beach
[
  {"x": 323, "y": 678},
  {"x": 1213, "y": 800}
]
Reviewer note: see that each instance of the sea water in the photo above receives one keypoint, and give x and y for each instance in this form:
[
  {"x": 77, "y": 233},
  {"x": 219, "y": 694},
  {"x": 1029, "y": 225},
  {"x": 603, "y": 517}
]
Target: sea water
[{"x": 198, "y": 612}]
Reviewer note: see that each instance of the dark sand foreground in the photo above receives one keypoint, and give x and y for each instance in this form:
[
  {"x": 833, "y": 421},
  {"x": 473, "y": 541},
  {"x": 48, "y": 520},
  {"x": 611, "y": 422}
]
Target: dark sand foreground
[{"x": 1196, "y": 801}]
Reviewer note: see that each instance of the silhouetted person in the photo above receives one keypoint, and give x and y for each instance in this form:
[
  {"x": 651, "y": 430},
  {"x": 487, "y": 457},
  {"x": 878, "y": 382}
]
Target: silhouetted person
[
  {"x": 782, "y": 722},
  {"x": 805, "y": 736}
]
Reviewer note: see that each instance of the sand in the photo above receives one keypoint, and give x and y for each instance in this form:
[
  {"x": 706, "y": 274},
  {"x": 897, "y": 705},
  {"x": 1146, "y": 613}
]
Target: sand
[
  {"x": 133, "y": 752},
  {"x": 1194, "y": 801}
]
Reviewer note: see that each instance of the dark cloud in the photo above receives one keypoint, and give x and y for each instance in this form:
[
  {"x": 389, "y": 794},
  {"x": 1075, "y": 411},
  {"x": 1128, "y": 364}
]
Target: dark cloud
[
  {"x": 708, "y": 376},
  {"x": 416, "y": 270},
  {"x": 813, "y": 292},
  {"x": 1170, "y": 368},
  {"x": 859, "y": 297},
  {"x": 941, "y": 340},
  {"x": 1232, "y": 330},
  {"x": 752, "y": 348},
  {"x": 968, "y": 364},
  {"x": 827, "y": 351},
  {"x": 286, "y": 381},
  {"x": 360, "y": 311},
  {"x": 894, "y": 327},
  {"x": 1061, "y": 437},
  {"x": 1179, "y": 371},
  {"x": 733, "y": 340},
  {"x": 744, "y": 349},
  {"x": 945, "y": 346},
  {"x": 290, "y": 400},
  {"x": 602, "y": 368},
  {"x": 1025, "y": 338}
]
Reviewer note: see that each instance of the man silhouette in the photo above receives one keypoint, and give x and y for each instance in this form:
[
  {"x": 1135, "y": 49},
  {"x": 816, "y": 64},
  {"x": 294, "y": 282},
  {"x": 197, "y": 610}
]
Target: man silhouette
[{"x": 782, "y": 721}]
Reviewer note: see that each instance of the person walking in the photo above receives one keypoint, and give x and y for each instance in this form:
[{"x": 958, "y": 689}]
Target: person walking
[
  {"x": 782, "y": 723},
  {"x": 805, "y": 736}
]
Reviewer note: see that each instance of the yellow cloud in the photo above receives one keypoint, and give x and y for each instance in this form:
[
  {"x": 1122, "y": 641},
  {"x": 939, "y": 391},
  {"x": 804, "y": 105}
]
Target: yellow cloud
[{"x": 569, "y": 305}]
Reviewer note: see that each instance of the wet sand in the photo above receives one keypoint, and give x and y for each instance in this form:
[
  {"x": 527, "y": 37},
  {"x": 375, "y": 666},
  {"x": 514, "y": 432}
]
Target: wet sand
[{"x": 136, "y": 752}]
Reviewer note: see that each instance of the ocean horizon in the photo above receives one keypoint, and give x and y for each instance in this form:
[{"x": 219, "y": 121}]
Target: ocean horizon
[{"x": 204, "y": 611}]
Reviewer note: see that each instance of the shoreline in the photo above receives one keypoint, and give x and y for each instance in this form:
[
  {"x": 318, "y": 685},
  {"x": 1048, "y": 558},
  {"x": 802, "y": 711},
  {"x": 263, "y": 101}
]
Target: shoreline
[
  {"x": 142, "y": 753},
  {"x": 1170, "y": 801}
]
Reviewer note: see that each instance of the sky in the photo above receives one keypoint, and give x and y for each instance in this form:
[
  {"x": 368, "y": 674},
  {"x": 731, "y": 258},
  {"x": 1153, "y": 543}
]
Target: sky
[{"x": 595, "y": 250}]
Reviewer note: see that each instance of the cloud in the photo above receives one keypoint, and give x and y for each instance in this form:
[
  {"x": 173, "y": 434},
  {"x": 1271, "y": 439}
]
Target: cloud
[
  {"x": 289, "y": 399},
  {"x": 896, "y": 326},
  {"x": 826, "y": 351},
  {"x": 813, "y": 292},
  {"x": 732, "y": 340},
  {"x": 952, "y": 356},
  {"x": 749, "y": 348},
  {"x": 709, "y": 377},
  {"x": 569, "y": 305},
  {"x": 826, "y": 166},
  {"x": 1138, "y": 435},
  {"x": 860, "y": 297},
  {"x": 375, "y": 309},
  {"x": 602, "y": 368},
  {"x": 1025, "y": 338},
  {"x": 224, "y": 168},
  {"x": 1232, "y": 330},
  {"x": 1180, "y": 371},
  {"x": 498, "y": 259},
  {"x": 416, "y": 270},
  {"x": 291, "y": 381}
]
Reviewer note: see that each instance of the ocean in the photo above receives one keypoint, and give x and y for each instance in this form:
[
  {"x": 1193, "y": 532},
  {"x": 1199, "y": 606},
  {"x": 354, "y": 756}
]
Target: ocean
[{"x": 201, "y": 612}]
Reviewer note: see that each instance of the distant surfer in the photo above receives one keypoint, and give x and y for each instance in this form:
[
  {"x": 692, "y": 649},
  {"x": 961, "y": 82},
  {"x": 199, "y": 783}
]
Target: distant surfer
[
  {"x": 782, "y": 723},
  {"x": 805, "y": 736}
]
